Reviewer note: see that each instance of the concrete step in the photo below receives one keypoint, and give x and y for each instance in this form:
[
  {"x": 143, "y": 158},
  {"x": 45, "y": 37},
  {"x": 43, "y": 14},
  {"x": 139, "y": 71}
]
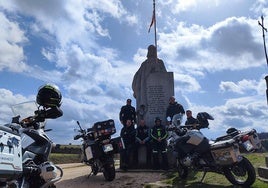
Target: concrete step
[
  {"x": 263, "y": 173},
  {"x": 266, "y": 160}
]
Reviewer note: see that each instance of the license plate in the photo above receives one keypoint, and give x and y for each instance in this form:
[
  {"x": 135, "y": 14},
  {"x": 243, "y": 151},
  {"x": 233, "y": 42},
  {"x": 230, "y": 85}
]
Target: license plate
[
  {"x": 247, "y": 145},
  {"x": 107, "y": 148}
]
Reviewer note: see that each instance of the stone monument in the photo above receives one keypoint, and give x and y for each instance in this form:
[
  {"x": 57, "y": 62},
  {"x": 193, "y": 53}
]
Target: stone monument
[{"x": 152, "y": 86}]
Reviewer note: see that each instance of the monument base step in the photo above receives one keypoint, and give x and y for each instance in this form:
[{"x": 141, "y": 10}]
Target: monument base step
[
  {"x": 263, "y": 172},
  {"x": 263, "y": 179},
  {"x": 144, "y": 170},
  {"x": 266, "y": 160}
]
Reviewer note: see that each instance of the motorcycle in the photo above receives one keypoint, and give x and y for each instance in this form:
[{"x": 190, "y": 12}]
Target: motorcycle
[
  {"x": 26, "y": 148},
  {"x": 248, "y": 140},
  {"x": 98, "y": 148},
  {"x": 195, "y": 152}
]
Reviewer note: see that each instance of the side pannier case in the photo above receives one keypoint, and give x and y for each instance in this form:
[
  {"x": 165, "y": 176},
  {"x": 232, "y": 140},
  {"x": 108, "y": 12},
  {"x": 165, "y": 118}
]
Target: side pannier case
[
  {"x": 104, "y": 128},
  {"x": 225, "y": 152},
  {"x": 10, "y": 154}
]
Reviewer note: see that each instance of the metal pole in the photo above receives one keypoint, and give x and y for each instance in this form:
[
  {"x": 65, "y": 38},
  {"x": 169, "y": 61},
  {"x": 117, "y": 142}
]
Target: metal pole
[
  {"x": 264, "y": 45},
  {"x": 155, "y": 38},
  {"x": 263, "y": 36}
]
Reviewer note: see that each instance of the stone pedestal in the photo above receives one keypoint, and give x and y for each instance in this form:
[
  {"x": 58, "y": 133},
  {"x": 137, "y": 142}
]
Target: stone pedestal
[
  {"x": 159, "y": 88},
  {"x": 152, "y": 87},
  {"x": 263, "y": 171}
]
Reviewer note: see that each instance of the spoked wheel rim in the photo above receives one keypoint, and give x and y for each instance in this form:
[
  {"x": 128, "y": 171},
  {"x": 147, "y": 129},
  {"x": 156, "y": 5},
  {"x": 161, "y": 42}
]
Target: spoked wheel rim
[{"x": 241, "y": 173}]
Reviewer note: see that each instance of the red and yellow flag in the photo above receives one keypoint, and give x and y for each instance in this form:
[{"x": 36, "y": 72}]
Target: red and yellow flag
[{"x": 152, "y": 22}]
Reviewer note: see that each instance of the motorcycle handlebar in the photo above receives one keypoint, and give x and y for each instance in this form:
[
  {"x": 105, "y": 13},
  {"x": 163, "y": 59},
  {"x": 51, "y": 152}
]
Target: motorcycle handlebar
[
  {"x": 90, "y": 130},
  {"x": 77, "y": 137},
  {"x": 192, "y": 126}
]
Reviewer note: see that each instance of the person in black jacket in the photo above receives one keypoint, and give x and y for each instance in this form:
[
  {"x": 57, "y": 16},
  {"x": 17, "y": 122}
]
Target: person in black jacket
[
  {"x": 159, "y": 144},
  {"x": 174, "y": 108},
  {"x": 128, "y": 134},
  {"x": 190, "y": 119},
  {"x": 127, "y": 112},
  {"x": 143, "y": 139}
]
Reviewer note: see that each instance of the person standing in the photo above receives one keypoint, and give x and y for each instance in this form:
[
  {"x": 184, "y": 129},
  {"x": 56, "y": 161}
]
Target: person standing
[
  {"x": 159, "y": 144},
  {"x": 128, "y": 134},
  {"x": 127, "y": 112},
  {"x": 143, "y": 139},
  {"x": 190, "y": 119},
  {"x": 174, "y": 108}
]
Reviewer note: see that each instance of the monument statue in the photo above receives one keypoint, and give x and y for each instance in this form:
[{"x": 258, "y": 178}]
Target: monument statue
[{"x": 148, "y": 87}]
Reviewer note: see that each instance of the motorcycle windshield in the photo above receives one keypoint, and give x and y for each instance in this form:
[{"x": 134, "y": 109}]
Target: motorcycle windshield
[{"x": 24, "y": 109}]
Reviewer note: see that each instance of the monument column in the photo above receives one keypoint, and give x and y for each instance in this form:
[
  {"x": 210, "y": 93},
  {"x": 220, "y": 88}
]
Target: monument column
[{"x": 152, "y": 86}]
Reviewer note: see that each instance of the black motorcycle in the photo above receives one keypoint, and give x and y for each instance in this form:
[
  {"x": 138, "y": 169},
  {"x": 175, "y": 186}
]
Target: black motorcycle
[
  {"x": 28, "y": 148},
  {"x": 98, "y": 148},
  {"x": 195, "y": 152}
]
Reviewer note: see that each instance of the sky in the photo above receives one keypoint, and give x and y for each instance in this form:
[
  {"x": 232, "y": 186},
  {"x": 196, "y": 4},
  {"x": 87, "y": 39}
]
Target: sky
[{"x": 92, "y": 49}]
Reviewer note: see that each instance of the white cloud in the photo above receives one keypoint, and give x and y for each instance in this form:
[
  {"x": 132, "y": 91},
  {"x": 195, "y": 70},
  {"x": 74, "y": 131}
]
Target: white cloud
[
  {"x": 79, "y": 52},
  {"x": 11, "y": 51},
  {"x": 243, "y": 86}
]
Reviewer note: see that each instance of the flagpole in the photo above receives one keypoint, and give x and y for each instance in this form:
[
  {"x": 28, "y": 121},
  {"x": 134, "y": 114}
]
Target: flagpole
[
  {"x": 263, "y": 35},
  {"x": 155, "y": 38},
  {"x": 264, "y": 45}
]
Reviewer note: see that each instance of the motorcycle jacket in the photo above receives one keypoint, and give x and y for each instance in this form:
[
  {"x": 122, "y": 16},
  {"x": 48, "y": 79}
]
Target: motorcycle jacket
[
  {"x": 159, "y": 132},
  {"x": 142, "y": 134},
  {"x": 127, "y": 112},
  {"x": 173, "y": 109},
  {"x": 191, "y": 120},
  {"x": 128, "y": 134}
]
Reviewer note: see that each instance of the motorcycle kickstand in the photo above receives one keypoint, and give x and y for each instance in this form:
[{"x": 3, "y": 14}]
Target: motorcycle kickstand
[
  {"x": 90, "y": 174},
  {"x": 203, "y": 177}
]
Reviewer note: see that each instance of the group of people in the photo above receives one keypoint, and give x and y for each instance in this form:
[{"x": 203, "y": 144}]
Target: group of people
[{"x": 153, "y": 138}]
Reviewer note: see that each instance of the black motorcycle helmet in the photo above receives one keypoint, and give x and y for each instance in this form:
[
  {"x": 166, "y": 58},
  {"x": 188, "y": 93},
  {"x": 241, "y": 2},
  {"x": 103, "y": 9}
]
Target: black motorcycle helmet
[
  {"x": 49, "y": 95},
  {"x": 232, "y": 130}
]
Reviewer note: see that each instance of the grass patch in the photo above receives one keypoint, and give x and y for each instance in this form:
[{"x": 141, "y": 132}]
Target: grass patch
[{"x": 214, "y": 180}]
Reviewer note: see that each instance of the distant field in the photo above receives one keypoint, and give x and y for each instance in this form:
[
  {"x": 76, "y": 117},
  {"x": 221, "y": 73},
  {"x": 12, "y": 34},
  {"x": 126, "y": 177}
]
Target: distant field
[{"x": 63, "y": 158}]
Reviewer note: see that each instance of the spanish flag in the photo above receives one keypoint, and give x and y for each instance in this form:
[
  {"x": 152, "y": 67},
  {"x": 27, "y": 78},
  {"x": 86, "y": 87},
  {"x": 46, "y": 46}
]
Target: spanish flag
[{"x": 152, "y": 22}]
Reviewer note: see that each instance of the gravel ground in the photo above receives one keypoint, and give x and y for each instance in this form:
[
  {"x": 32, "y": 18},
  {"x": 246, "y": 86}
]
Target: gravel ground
[{"x": 76, "y": 175}]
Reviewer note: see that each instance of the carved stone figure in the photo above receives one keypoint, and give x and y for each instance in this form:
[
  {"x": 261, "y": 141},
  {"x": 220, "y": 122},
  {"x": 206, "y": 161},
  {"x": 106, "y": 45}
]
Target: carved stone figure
[{"x": 151, "y": 65}]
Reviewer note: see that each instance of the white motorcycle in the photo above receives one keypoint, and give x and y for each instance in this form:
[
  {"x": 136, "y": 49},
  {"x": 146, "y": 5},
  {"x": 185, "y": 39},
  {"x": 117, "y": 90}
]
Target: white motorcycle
[{"x": 25, "y": 149}]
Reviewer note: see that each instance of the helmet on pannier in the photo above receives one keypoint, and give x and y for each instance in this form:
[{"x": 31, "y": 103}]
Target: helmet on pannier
[
  {"x": 232, "y": 131},
  {"x": 202, "y": 118},
  {"x": 49, "y": 95}
]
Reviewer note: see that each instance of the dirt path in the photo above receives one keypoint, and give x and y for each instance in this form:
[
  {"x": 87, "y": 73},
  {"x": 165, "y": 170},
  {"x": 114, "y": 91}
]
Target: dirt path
[{"x": 76, "y": 176}]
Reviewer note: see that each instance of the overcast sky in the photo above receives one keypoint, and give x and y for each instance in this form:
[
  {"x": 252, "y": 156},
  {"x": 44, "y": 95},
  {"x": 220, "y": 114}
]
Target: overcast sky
[{"x": 91, "y": 49}]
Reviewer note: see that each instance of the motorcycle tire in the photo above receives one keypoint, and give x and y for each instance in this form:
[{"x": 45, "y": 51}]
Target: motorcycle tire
[
  {"x": 182, "y": 171},
  {"x": 242, "y": 173},
  {"x": 109, "y": 172}
]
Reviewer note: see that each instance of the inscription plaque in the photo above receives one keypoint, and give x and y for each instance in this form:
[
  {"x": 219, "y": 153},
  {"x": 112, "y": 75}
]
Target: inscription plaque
[{"x": 159, "y": 88}]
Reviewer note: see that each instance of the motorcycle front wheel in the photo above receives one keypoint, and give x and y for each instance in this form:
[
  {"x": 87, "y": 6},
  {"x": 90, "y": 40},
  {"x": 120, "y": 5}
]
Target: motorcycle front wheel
[
  {"x": 182, "y": 170},
  {"x": 242, "y": 173},
  {"x": 109, "y": 172}
]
